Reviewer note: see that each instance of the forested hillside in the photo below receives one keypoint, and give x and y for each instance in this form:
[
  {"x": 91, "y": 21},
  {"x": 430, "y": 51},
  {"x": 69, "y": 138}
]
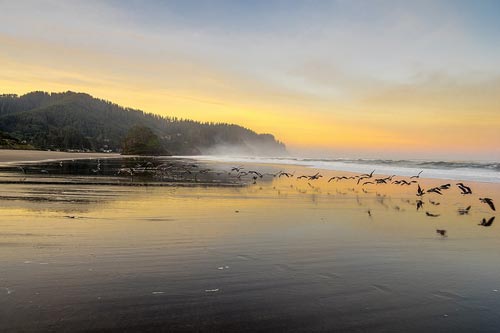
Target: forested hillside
[{"x": 72, "y": 120}]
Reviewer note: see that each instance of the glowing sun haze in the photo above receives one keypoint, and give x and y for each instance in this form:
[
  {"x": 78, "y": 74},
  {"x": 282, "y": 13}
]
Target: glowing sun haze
[{"x": 333, "y": 78}]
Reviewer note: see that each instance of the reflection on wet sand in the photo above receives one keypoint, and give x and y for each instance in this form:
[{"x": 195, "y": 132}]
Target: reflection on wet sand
[{"x": 272, "y": 253}]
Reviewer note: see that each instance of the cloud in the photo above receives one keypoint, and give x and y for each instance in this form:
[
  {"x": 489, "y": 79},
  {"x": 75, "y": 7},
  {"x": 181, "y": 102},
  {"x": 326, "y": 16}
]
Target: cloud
[{"x": 339, "y": 73}]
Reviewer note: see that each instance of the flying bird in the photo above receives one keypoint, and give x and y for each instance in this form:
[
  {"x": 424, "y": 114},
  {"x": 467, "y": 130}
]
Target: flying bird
[
  {"x": 431, "y": 215},
  {"x": 241, "y": 174},
  {"x": 313, "y": 177},
  {"x": 255, "y": 173},
  {"x": 369, "y": 175},
  {"x": 417, "y": 176},
  {"x": 465, "y": 189},
  {"x": 128, "y": 171},
  {"x": 286, "y": 174},
  {"x": 420, "y": 191},
  {"x": 403, "y": 182},
  {"x": 316, "y": 176},
  {"x": 237, "y": 169},
  {"x": 365, "y": 176},
  {"x": 488, "y": 223},
  {"x": 434, "y": 190},
  {"x": 489, "y": 202}
]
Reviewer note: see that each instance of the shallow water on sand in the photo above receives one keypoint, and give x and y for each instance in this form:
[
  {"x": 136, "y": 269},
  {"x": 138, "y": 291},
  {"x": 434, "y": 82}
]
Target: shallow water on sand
[{"x": 278, "y": 255}]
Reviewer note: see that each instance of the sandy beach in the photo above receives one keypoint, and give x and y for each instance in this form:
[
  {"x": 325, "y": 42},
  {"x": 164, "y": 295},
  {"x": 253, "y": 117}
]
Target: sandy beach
[
  {"x": 8, "y": 156},
  {"x": 277, "y": 254},
  {"x": 284, "y": 166}
]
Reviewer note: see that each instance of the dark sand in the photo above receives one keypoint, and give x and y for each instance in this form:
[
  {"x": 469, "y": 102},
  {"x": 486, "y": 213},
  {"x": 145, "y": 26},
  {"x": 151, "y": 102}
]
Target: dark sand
[{"x": 278, "y": 255}]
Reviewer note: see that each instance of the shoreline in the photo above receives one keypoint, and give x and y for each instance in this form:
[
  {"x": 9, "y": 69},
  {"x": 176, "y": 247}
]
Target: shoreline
[
  {"x": 12, "y": 156},
  {"x": 472, "y": 175}
]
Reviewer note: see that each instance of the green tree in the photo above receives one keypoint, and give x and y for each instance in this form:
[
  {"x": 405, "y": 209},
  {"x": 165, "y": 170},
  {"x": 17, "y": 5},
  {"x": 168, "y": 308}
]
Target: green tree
[{"x": 141, "y": 140}]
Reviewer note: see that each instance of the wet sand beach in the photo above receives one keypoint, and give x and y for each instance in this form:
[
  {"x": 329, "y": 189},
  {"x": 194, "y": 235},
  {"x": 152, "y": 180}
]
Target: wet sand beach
[
  {"x": 228, "y": 253},
  {"x": 8, "y": 156}
]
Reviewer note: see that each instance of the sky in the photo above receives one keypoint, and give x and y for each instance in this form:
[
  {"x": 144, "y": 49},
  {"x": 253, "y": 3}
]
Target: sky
[{"x": 345, "y": 78}]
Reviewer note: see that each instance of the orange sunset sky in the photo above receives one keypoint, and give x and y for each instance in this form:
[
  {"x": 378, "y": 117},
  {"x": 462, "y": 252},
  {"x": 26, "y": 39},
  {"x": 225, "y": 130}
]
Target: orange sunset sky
[{"x": 329, "y": 78}]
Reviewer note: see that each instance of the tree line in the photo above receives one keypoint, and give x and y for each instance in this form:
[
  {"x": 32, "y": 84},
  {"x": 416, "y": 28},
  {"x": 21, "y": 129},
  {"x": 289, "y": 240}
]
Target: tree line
[{"x": 71, "y": 120}]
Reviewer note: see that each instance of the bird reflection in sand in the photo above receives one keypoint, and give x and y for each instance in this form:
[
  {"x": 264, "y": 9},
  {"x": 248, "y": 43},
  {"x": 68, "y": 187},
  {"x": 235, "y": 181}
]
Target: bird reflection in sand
[
  {"x": 441, "y": 232},
  {"x": 432, "y": 215},
  {"x": 464, "y": 211}
]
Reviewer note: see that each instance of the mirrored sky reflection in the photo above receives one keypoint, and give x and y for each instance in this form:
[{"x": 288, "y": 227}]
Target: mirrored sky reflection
[{"x": 414, "y": 79}]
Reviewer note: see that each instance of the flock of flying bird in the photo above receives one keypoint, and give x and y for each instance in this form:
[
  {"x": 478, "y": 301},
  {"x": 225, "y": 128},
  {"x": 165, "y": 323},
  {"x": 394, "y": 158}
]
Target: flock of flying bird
[
  {"x": 464, "y": 189},
  {"x": 173, "y": 171},
  {"x": 239, "y": 171},
  {"x": 368, "y": 178}
]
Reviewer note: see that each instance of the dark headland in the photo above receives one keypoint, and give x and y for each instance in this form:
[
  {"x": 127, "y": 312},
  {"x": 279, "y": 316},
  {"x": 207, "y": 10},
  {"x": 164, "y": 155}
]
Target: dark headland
[{"x": 71, "y": 121}]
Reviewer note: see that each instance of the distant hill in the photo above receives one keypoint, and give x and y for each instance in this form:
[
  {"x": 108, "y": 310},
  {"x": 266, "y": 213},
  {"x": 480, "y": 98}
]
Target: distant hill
[{"x": 79, "y": 121}]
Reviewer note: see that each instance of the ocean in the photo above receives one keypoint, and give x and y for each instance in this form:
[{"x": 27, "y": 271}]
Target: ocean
[{"x": 453, "y": 170}]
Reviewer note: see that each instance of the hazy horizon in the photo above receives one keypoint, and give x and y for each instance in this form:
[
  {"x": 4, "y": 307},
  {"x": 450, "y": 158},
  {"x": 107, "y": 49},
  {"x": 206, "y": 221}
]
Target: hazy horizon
[{"x": 388, "y": 79}]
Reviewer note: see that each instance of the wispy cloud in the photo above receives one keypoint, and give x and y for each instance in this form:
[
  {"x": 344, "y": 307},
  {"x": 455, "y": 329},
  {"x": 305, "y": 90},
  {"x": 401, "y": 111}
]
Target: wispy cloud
[{"x": 316, "y": 73}]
